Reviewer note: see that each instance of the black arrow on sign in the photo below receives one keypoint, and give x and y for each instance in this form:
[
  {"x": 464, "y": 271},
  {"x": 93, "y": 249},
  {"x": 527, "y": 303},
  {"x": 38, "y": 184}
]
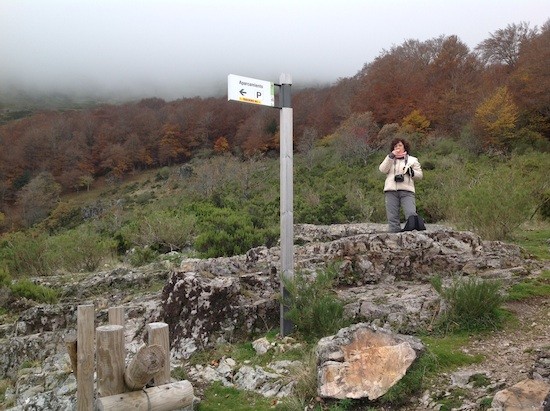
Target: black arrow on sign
[{"x": 242, "y": 92}]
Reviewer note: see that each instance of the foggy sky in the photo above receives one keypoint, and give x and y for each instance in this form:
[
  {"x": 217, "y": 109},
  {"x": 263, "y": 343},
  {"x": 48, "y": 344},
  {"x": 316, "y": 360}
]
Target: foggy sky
[{"x": 173, "y": 49}]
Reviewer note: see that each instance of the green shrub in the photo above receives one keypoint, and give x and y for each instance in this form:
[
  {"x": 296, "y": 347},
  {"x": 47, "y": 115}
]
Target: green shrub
[
  {"x": 139, "y": 256},
  {"x": 79, "y": 249},
  {"x": 225, "y": 232},
  {"x": 163, "y": 230},
  {"x": 544, "y": 205},
  {"x": 471, "y": 304},
  {"x": 162, "y": 174},
  {"x": 24, "y": 253},
  {"x": 314, "y": 309},
  {"x": 329, "y": 207},
  {"x": 27, "y": 289},
  {"x": 64, "y": 216},
  {"x": 494, "y": 203},
  {"x": 5, "y": 278}
]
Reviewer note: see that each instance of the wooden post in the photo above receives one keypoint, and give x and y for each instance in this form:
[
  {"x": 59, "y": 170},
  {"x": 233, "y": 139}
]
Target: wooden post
[
  {"x": 148, "y": 361},
  {"x": 158, "y": 335},
  {"x": 110, "y": 360},
  {"x": 85, "y": 358},
  {"x": 70, "y": 343},
  {"x": 116, "y": 316},
  {"x": 168, "y": 397}
]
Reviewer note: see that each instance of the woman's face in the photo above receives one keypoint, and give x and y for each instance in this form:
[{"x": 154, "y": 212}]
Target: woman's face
[{"x": 399, "y": 147}]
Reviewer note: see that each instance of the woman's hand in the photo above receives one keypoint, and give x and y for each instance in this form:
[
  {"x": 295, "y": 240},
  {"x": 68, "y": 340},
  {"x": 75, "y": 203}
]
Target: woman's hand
[{"x": 398, "y": 153}]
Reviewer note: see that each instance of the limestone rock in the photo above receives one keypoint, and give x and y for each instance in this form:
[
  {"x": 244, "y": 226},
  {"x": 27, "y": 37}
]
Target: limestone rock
[
  {"x": 526, "y": 395},
  {"x": 207, "y": 309},
  {"x": 363, "y": 361}
]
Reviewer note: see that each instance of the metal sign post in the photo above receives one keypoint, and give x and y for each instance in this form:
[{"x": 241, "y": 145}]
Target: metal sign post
[
  {"x": 254, "y": 91},
  {"x": 287, "y": 197}
]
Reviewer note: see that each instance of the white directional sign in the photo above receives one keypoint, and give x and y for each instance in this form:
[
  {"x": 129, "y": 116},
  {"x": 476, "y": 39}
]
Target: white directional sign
[{"x": 250, "y": 90}]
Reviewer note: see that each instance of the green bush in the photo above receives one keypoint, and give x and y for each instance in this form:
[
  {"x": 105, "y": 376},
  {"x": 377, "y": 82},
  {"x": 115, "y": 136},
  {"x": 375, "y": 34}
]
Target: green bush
[
  {"x": 494, "y": 203},
  {"x": 225, "y": 232},
  {"x": 79, "y": 249},
  {"x": 314, "y": 309},
  {"x": 161, "y": 229},
  {"x": 64, "y": 216},
  {"x": 544, "y": 206},
  {"x": 162, "y": 174},
  {"x": 471, "y": 304},
  {"x": 142, "y": 255},
  {"x": 24, "y": 253},
  {"x": 27, "y": 289}
]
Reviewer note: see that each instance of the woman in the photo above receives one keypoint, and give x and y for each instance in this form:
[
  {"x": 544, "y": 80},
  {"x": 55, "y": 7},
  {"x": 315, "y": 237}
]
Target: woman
[{"x": 401, "y": 171}]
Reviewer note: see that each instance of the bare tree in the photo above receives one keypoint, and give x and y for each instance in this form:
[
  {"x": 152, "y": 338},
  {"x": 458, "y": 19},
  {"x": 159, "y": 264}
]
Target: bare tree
[
  {"x": 503, "y": 47},
  {"x": 38, "y": 198}
]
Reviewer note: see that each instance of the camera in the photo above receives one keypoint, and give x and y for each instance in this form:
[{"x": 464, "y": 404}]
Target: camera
[{"x": 399, "y": 178}]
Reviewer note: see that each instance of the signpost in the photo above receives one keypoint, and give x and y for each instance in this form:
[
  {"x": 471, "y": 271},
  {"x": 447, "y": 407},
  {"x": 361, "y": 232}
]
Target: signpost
[
  {"x": 253, "y": 91},
  {"x": 250, "y": 90}
]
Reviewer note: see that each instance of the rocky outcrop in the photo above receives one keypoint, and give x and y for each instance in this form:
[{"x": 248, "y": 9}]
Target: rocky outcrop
[
  {"x": 383, "y": 277},
  {"x": 201, "y": 310}
]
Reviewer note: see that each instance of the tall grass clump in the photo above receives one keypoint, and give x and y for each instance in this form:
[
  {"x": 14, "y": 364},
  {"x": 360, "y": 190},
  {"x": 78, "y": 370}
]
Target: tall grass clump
[
  {"x": 25, "y": 288},
  {"x": 471, "y": 304},
  {"x": 304, "y": 391},
  {"x": 314, "y": 308}
]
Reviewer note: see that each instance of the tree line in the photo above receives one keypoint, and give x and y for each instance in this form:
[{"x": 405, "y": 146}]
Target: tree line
[{"x": 499, "y": 92}]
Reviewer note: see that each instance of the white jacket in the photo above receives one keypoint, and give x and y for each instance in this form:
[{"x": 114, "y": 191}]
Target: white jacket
[{"x": 393, "y": 166}]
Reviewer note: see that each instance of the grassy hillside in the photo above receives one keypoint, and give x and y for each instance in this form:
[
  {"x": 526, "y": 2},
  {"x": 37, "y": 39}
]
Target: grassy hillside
[{"x": 224, "y": 205}]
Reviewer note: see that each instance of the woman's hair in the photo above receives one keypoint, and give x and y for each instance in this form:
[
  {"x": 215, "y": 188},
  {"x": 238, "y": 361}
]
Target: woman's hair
[{"x": 401, "y": 140}]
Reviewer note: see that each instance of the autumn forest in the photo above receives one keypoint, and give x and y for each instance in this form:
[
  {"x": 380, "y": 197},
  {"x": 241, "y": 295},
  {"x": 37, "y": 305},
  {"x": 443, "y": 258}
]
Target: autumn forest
[{"x": 498, "y": 95}]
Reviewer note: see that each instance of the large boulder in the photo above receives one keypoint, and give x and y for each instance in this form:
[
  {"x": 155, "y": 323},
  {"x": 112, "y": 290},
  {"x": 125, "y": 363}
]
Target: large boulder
[
  {"x": 201, "y": 310},
  {"x": 363, "y": 361},
  {"x": 525, "y": 395}
]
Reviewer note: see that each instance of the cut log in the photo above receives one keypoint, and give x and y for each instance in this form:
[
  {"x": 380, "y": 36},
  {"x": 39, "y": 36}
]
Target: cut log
[
  {"x": 148, "y": 361},
  {"x": 168, "y": 397}
]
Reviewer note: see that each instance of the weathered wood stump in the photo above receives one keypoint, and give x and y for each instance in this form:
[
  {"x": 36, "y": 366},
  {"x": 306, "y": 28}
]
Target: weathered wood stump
[{"x": 148, "y": 361}]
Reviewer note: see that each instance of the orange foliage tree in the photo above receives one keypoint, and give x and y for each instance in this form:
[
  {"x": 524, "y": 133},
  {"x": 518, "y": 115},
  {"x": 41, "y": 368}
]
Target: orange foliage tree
[
  {"x": 530, "y": 83},
  {"x": 221, "y": 145},
  {"x": 171, "y": 145}
]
